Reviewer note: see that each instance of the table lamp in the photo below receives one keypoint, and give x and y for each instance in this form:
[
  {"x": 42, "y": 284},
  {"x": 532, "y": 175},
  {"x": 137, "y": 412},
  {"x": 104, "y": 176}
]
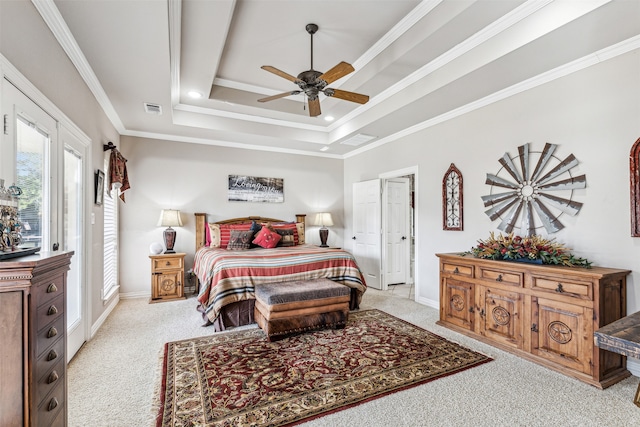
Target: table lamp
[
  {"x": 169, "y": 218},
  {"x": 323, "y": 219}
]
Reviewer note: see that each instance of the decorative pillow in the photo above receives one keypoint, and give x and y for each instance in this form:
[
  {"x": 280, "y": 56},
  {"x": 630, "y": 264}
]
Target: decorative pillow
[
  {"x": 240, "y": 239},
  {"x": 267, "y": 238},
  {"x": 255, "y": 228},
  {"x": 288, "y": 236},
  {"x": 207, "y": 236},
  {"x": 289, "y": 226},
  {"x": 214, "y": 235},
  {"x": 225, "y": 232}
]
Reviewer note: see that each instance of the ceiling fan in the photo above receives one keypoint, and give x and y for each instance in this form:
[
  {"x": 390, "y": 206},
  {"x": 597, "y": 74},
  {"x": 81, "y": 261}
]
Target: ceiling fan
[{"x": 312, "y": 82}]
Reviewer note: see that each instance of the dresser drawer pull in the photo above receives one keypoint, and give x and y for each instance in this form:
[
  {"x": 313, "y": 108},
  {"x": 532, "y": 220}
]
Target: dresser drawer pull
[
  {"x": 52, "y": 356},
  {"x": 559, "y": 288},
  {"x": 456, "y": 271},
  {"x": 53, "y": 377},
  {"x": 499, "y": 278},
  {"x": 52, "y": 310},
  {"x": 52, "y": 288},
  {"x": 53, "y": 404},
  {"x": 168, "y": 264},
  {"x": 52, "y": 332}
]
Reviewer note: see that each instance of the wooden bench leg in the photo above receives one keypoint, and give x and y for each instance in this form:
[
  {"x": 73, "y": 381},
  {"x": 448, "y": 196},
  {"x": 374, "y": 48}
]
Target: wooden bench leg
[{"x": 636, "y": 399}]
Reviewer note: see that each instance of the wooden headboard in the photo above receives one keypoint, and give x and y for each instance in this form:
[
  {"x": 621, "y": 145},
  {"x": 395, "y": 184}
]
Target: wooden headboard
[{"x": 201, "y": 223}]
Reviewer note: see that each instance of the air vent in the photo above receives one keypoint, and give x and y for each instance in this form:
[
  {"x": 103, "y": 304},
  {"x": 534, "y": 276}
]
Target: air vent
[
  {"x": 358, "y": 139},
  {"x": 153, "y": 108}
]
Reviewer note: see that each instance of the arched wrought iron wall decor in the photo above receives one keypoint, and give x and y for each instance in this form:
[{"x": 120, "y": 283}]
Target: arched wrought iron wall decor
[
  {"x": 452, "y": 199},
  {"x": 634, "y": 172}
]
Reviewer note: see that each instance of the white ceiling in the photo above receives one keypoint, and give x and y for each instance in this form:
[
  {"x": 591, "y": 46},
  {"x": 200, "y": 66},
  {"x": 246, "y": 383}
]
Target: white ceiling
[{"x": 421, "y": 62}]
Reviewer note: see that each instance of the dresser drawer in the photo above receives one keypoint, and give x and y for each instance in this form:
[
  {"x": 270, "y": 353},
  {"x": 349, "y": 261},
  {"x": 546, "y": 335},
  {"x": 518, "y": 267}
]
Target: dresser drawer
[
  {"x": 458, "y": 269},
  {"x": 50, "y": 381},
  {"x": 560, "y": 286},
  {"x": 49, "y": 312},
  {"x": 52, "y": 405},
  {"x": 49, "y": 358},
  {"x": 49, "y": 290},
  {"x": 501, "y": 276},
  {"x": 49, "y": 335},
  {"x": 168, "y": 263}
]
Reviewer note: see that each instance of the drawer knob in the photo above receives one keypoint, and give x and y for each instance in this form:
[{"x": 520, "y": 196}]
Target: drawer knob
[
  {"x": 53, "y": 377},
  {"x": 53, "y": 404},
  {"x": 52, "y": 288},
  {"x": 499, "y": 278},
  {"x": 52, "y": 332},
  {"x": 168, "y": 264},
  {"x": 560, "y": 289},
  {"x": 52, "y": 356},
  {"x": 52, "y": 310},
  {"x": 456, "y": 271}
]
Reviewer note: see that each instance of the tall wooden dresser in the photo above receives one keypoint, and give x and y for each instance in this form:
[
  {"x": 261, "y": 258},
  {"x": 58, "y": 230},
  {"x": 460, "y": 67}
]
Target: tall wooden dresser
[{"x": 33, "y": 366}]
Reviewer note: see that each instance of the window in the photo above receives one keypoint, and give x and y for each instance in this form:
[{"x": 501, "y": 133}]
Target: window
[{"x": 110, "y": 206}]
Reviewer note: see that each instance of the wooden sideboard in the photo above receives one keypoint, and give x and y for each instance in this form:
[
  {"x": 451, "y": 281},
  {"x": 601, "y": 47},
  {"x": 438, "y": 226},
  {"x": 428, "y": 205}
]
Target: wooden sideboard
[
  {"x": 543, "y": 313},
  {"x": 33, "y": 328}
]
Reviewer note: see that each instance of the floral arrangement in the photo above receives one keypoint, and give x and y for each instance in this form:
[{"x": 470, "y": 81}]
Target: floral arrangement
[{"x": 532, "y": 249}]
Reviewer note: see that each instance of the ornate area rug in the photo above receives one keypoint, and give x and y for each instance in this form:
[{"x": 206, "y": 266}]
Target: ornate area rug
[{"x": 237, "y": 378}]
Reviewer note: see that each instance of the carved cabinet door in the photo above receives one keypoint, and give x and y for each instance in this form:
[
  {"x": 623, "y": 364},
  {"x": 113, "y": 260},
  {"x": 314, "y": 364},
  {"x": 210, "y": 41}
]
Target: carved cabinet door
[
  {"x": 500, "y": 316},
  {"x": 560, "y": 332},
  {"x": 458, "y": 308}
]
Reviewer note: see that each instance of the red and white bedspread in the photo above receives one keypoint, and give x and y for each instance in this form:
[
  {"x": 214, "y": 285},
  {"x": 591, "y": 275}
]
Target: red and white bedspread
[{"x": 228, "y": 276}]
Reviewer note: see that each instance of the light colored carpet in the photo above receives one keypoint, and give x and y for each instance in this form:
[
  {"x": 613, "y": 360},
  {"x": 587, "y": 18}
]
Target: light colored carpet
[{"x": 112, "y": 378}]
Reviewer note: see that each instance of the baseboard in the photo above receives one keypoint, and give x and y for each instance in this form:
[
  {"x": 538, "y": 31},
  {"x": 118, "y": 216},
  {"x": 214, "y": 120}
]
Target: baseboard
[
  {"x": 633, "y": 366},
  {"x": 105, "y": 314},
  {"x": 133, "y": 295},
  {"x": 428, "y": 302}
]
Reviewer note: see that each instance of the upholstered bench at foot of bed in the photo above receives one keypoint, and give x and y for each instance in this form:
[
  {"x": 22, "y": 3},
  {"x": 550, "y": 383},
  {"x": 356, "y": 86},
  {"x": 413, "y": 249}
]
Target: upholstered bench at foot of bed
[{"x": 287, "y": 308}]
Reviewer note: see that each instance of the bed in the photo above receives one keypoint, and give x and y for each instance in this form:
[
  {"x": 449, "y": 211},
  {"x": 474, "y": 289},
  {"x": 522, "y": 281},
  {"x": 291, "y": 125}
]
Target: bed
[{"x": 228, "y": 278}]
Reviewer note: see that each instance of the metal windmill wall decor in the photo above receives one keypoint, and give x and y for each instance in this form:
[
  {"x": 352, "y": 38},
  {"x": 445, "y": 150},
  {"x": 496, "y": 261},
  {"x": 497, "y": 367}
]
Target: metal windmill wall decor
[{"x": 528, "y": 203}]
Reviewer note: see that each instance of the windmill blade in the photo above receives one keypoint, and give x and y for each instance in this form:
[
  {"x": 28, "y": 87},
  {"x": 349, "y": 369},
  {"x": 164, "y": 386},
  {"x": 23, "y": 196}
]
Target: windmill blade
[
  {"x": 524, "y": 160},
  {"x": 347, "y": 96},
  {"x": 566, "y": 184},
  {"x": 547, "y": 152},
  {"x": 281, "y": 73},
  {"x": 497, "y": 198},
  {"x": 510, "y": 167},
  {"x": 499, "y": 209},
  {"x": 565, "y": 205},
  {"x": 280, "y": 95},
  {"x": 340, "y": 70},
  {"x": 314, "y": 107},
  {"x": 500, "y": 182},
  {"x": 550, "y": 222},
  {"x": 509, "y": 221},
  {"x": 527, "y": 228},
  {"x": 564, "y": 166}
]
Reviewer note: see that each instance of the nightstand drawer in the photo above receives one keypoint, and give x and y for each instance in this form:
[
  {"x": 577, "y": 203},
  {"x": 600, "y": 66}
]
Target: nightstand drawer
[{"x": 167, "y": 263}]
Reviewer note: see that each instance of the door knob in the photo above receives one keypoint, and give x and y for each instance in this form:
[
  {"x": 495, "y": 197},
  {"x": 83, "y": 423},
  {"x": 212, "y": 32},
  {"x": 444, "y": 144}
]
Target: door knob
[
  {"x": 56, "y": 246},
  {"x": 353, "y": 238},
  {"x": 403, "y": 238}
]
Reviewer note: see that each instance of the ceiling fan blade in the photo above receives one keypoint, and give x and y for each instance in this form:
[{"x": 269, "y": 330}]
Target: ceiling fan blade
[
  {"x": 314, "y": 107},
  {"x": 347, "y": 96},
  {"x": 340, "y": 70},
  {"x": 278, "y": 96},
  {"x": 280, "y": 73}
]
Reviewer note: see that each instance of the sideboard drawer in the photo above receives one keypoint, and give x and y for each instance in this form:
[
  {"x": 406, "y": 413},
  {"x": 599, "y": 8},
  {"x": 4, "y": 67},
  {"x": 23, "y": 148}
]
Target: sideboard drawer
[
  {"x": 459, "y": 269},
  {"x": 47, "y": 336},
  {"x": 559, "y": 286},
  {"x": 502, "y": 277}
]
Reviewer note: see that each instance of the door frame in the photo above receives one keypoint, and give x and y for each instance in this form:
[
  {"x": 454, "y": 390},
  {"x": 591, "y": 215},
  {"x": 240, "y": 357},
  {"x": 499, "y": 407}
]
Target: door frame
[
  {"x": 15, "y": 77},
  {"x": 411, "y": 170}
]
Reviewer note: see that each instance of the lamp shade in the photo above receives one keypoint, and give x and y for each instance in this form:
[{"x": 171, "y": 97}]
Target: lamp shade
[
  {"x": 169, "y": 218},
  {"x": 323, "y": 219}
]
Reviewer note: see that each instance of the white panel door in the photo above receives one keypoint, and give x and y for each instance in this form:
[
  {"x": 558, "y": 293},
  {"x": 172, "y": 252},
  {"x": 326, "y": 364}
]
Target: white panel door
[
  {"x": 397, "y": 237},
  {"x": 367, "y": 243}
]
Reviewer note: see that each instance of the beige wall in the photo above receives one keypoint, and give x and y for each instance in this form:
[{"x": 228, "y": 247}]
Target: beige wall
[
  {"x": 27, "y": 43},
  {"x": 193, "y": 178},
  {"x": 593, "y": 114}
]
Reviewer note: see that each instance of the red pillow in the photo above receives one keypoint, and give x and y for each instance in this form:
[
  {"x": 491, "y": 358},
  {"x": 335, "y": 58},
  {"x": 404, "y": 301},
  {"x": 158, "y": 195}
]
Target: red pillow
[
  {"x": 266, "y": 238},
  {"x": 225, "y": 232}
]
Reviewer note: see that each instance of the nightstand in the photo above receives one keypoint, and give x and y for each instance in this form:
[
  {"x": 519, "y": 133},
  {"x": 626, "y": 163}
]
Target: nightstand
[{"x": 167, "y": 277}]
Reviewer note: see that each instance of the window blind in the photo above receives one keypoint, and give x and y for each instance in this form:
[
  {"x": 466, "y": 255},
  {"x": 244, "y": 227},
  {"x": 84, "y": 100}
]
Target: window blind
[{"x": 110, "y": 207}]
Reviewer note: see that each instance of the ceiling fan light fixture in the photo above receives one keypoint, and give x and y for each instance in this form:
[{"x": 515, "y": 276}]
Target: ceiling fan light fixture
[{"x": 329, "y": 118}]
